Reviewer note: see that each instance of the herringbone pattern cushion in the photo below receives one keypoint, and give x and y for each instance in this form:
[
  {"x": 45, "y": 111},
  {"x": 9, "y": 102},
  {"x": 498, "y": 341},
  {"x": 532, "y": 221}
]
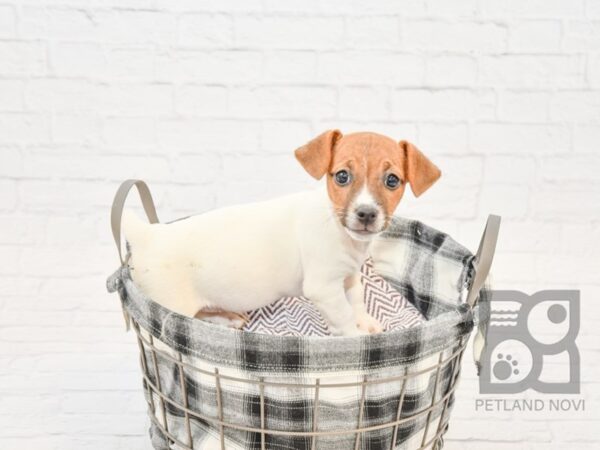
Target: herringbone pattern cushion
[{"x": 297, "y": 316}]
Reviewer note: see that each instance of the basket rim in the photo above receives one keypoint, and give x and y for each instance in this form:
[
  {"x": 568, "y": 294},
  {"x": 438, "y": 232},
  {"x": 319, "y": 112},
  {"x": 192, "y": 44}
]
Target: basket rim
[{"x": 263, "y": 352}]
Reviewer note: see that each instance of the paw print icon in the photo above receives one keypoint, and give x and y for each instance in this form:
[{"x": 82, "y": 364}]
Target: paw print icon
[{"x": 530, "y": 343}]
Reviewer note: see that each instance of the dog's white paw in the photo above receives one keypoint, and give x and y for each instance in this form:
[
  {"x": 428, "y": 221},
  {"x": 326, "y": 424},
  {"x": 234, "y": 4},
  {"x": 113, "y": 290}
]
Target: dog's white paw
[{"x": 368, "y": 324}]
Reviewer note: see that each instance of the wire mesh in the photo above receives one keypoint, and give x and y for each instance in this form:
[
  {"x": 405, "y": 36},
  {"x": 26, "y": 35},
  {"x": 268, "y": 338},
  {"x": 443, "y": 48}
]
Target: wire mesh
[{"x": 154, "y": 391}]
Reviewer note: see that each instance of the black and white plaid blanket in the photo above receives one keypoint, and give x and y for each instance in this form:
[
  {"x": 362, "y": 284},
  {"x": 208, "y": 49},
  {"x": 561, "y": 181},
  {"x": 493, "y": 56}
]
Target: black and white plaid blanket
[{"x": 425, "y": 266}]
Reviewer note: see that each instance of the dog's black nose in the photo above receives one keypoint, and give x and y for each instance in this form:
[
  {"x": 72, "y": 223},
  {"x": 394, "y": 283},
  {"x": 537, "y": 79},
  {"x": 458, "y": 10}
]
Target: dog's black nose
[{"x": 366, "y": 214}]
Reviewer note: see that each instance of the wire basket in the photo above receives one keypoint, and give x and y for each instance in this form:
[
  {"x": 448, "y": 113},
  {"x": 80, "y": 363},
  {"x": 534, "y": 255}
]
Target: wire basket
[{"x": 208, "y": 387}]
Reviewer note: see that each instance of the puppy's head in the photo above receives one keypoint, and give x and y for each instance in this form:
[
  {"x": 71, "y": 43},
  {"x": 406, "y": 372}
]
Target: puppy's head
[{"x": 366, "y": 176}]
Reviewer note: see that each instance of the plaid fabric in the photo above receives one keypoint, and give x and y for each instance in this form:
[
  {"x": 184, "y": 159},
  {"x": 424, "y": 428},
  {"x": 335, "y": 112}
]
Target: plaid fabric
[{"x": 424, "y": 265}]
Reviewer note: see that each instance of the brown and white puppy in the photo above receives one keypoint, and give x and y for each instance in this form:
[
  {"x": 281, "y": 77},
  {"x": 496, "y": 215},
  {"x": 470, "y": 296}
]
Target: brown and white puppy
[
  {"x": 312, "y": 243},
  {"x": 367, "y": 175}
]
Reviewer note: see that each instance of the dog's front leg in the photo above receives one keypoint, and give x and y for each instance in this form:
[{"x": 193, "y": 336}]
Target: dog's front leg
[
  {"x": 330, "y": 300},
  {"x": 356, "y": 295}
]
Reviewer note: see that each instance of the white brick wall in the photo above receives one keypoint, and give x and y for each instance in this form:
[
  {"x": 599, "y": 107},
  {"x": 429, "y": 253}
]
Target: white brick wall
[{"x": 206, "y": 100}]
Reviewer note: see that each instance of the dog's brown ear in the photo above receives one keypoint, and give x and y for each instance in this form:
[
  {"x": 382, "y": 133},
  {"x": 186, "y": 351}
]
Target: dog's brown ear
[
  {"x": 421, "y": 173},
  {"x": 315, "y": 156}
]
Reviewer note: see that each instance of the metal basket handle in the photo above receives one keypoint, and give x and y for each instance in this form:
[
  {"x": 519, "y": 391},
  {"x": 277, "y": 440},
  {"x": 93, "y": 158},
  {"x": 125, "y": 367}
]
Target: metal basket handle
[
  {"x": 484, "y": 257},
  {"x": 116, "y": 212}
]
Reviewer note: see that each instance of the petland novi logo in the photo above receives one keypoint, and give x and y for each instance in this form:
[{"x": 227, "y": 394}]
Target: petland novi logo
[{"x": 531, "y": 343}]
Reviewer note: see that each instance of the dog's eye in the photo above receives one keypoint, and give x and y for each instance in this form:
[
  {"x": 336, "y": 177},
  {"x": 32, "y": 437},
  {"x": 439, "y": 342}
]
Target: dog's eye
[
  {"x": 342, "y": 177},
  {"x": 392, "y": 181}
]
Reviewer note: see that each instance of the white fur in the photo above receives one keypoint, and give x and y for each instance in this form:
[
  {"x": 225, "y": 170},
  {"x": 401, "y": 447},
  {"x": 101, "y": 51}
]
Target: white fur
[
  {"x": 364, "y": 198},
  {"x": 244, "y": 257}
]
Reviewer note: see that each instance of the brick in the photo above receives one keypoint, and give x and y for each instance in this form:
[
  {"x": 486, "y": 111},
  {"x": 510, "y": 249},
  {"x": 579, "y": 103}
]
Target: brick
[
  {"x": 575, "y": 239},
  {"x": 586, "y": 138},
  {"x": 190, "y": 199},
  {"x": 574, "y": 169},
  {"x": 533, "y": 8},
  {"x": 196, "y": 168},
  {"x": 289, "y": 32},
  {"x": 364, "y": 103},
  {"x": 535, "y": 36},
  {"x": 275, "y": 168},
  {"x": 209, "y": 135},
  {"x": 11, "y": 162},
  {"x": 11, "y": 92},
  {"x": 126, "y": 63},
  {"x": 530, "y": 236},
  {"x": 8, "y": 22},
  {"x": 69, "y": 231},
  {"x": 235, "y": 66},
  {"x": 593, "y": 70},
  {"x": 576, "y": 106},
  {"x": 136, "y": 26},
  {"x": 451, "y": 70},
  {"x": 370, "y": 68},
  {"x": 421, "y": 104},
  {"x": 130, "y": 133},
  {"x": 372, "y": 32},
  {"x": 443, "y": 36},
  {"x": 54, "y": 94},
  {"x": 459, "y": 171},
  {"x": 532, "y": 71},
  {"x": 33, "y": 22},
  {"x": 284, "y": 136},
  {"x": 53, "y": 196},
  {"x": 458, "y": 8},
  {"x": 24, "y": 128},
  {"x": 557, "y": 203},
  {"x": 518, "y": 106},
  {"x": 205, "y": 30},
  {"x": 518, "y": 138},
  {"x": 581, "y": 36},
  {"x": 78, "y": 59},
  {"x": 348, "y": 7},
  {"x": 22, "y": 58},
  {"x": 496, "y": 432},
  {"x": 292, "y": 6},
  {"x": 393, "y": 128},
  {"x": 13, "y": 285},
  {"x": 201, "y": 100},
  {"x": 569, "y": 270},
  {"x": 513, "y": 169},
  {"x": 296, "y": 66},
  {"x": 443, "y": 138},
  {"x": 441, "y": 202},
  {"x": 509, "y": 201},
  {"x": 592, "y": 10},
  {"x": 75, "y": 24},
  {"x": 186, "y": 6},
  {"x": 8, "y": 195},
  {"x": 136, "y": 99},
  {"x": 11, "y": 254},
  {"x": 80, "y": 129},
  {"x": 105, "y": 167},
  {"x": 239, "y": 192},
  {"x": 274, "y": 102}
]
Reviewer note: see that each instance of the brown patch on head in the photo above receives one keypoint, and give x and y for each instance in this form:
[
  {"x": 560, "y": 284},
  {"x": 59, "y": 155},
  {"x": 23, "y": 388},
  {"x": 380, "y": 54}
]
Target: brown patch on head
[{"x": 369, "y": 159}]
